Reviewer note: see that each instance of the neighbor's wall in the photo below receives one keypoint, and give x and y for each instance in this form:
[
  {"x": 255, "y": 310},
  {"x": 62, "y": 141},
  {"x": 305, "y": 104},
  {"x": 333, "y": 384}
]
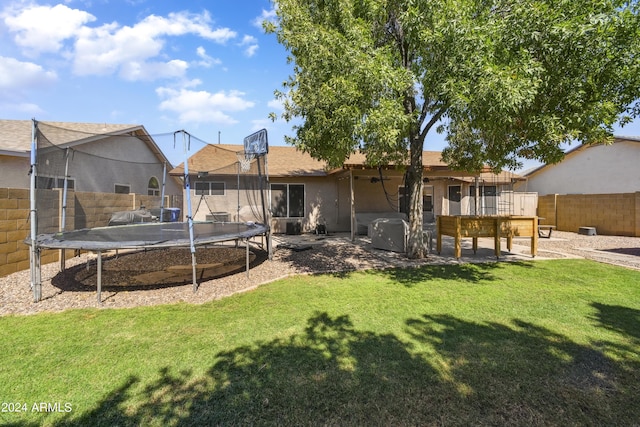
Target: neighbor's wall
[
  {"x": 15, "y": 171},
  {"x": 598, "y": 169},
  {"x": 610, "y": 214}
]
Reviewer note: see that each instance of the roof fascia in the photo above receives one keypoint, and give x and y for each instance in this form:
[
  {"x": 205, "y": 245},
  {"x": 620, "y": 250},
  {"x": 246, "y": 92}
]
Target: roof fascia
[{"x": 10, "y": 153}]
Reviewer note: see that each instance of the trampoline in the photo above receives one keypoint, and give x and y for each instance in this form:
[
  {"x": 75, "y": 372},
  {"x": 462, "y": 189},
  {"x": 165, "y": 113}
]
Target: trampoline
[
  {"x": 56, "y": 165},
  {"x": 149, "y": 236}
]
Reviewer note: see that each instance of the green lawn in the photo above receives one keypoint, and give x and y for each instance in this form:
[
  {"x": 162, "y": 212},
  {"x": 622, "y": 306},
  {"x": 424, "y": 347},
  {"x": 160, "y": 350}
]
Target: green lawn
[{"x": 532, "y": 343}]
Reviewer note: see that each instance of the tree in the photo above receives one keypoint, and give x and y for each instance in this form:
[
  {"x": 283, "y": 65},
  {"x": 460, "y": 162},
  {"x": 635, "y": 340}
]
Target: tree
[{"x": 505, "y": 79}]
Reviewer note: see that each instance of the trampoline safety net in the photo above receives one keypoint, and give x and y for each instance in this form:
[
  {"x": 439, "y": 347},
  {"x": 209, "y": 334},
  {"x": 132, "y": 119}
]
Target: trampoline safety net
[{"x": 100, "y": 166}]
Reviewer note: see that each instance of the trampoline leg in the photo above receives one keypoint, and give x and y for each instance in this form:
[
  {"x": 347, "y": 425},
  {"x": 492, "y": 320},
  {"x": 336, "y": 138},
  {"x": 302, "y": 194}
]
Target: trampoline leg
[
  {"x": 247, "y": 245},
  {"x": 193, "y": 265},
  {"x": 99, "y": 269}
]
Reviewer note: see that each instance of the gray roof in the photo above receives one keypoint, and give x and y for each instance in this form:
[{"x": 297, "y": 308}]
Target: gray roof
[{"x": 15, "y": 135}]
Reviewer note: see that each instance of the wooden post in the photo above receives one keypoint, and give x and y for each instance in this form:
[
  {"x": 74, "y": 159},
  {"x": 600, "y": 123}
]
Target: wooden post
[
  {"x": 439, "y": 237},
  {"x": 353, "y": 206},
  {"x": 457, "y": 238},
  {"x": 498, "y": 226},
  {"x": 534, "y": 237}
]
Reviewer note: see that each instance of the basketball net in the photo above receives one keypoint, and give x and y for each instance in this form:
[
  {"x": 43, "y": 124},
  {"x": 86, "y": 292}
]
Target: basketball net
[{"x": 245, "y": 161}]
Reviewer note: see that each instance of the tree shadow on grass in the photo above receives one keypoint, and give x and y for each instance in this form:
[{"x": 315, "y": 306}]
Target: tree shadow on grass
[
  {"x": 466, "y": 273},
  {"x": 623, "y": 320},
  {"x": 444, "y": 371}
]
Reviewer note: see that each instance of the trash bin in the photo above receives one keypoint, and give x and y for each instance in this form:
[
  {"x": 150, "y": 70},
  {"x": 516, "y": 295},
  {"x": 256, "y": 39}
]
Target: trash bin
[{"x": 171, "y": 215}]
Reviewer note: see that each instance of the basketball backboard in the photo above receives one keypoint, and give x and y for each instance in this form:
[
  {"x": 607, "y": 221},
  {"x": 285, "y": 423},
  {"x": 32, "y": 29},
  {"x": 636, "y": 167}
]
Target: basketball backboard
[{"x": 257, "y": 143}]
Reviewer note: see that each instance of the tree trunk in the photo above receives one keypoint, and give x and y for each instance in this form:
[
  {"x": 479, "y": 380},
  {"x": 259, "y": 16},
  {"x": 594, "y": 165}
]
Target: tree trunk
[{"x": 415, "y": 245}]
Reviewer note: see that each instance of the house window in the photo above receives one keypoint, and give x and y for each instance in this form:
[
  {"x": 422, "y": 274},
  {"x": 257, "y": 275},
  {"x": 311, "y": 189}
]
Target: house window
[
  {"x": 487, "y": 203},
  {"x": 122, "y": 189},
  {"x": 153, "y": 187},
  {"x": 207, "y": 188},
  {"x": 287, "y": 200},
  {"x": 48, "y": 183}
]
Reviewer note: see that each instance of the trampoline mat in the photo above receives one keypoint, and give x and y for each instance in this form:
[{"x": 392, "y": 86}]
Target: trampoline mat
[{"x": 149, "y": 235}]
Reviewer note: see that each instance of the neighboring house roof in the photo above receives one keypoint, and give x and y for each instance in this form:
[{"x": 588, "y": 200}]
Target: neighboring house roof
[
  {"x": 16, "y": 135},
  {"x": 288, "y": 161},
  {"x": 580, "y": 148}
]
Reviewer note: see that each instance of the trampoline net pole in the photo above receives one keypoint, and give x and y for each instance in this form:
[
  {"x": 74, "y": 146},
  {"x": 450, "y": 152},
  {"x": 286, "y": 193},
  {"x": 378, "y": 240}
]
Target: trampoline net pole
[
  {"x": 34, "y": 259},
  {"x": 99, "y": 277},
  {"x": 189, "y": 213},
  {"x": 164, "y": 182}
]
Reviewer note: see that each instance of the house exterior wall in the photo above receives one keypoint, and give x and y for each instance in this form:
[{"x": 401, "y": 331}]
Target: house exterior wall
[
  {"x": 327, "y": 199},
  {"x": 15, "y": 172},
  {"x": 373, "y": 195},
  {"x": 600, "y": 169},
  {"x": 94, "y": 172},
  {"x": 322, "y": 205},
  {"x": 97, "y": 174}
]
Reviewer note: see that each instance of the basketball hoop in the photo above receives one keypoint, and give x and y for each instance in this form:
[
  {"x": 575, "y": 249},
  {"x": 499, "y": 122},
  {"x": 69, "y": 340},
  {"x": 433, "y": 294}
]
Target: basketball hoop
[{"x": 245, "y": 161}]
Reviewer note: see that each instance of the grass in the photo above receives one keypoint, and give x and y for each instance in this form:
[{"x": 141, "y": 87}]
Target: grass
[{"x": 544, "y": 343}]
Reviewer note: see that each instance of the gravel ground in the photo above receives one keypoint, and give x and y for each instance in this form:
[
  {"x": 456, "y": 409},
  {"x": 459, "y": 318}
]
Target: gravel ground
[{"x": 75, "y": 288}]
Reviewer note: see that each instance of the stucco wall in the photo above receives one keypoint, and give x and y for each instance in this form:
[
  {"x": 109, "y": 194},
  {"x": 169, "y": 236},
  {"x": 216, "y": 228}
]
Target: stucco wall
[
  {"x": 94, "y": 172},
  {"x": 15, "y": 172},
  {"x": 600, "y": 169}
]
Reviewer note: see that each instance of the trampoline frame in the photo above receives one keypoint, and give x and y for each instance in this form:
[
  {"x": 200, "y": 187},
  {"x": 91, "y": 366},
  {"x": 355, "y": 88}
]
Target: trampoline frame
[{"x": 102, "y": 239}]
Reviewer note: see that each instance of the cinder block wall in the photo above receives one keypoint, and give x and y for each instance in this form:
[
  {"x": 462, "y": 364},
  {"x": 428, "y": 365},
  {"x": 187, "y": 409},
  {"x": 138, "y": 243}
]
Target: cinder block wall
[
  {"x": 14, "y": 228},
  {"x": 83, "y": 210},
  {"x": 547, "y": 209},
  {"x": 611, "y": 214}
]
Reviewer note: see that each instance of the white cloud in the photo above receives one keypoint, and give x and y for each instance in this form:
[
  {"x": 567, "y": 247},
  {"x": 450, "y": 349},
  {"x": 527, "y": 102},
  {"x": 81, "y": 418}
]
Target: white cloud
[
  {"x": 43, "y": 28},
  {"x": 206, "y": 60},
  {"x": 251, "y": 44},
  {"x": 135, "y": 52},
  {"x": 266, "y": 15},
  {"x": 20, "y": 108},
  {"x": 152, "y": 70},
  {"x": 276, "y": 104},
  {"x": 17, "y": 76},
  {"x": 202, "y": 106},
  {"x": 105, "y": 49},
  {"x": 258, "y": 124}
]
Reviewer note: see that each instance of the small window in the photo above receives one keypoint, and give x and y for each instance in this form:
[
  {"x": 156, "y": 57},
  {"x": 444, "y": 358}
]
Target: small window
[
  {"x": 207, "y": 188},
  {"x": 122, "y": 189},
  {"x": 48, "y": 183},
  {"x": 153, "y": 187},
  {"x": 287, "y": 200},
  {"x": 216, "y": 188}
]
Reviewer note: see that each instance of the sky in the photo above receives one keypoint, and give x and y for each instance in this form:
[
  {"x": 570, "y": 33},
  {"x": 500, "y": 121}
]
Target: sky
[{"x": 203, "y": 66}]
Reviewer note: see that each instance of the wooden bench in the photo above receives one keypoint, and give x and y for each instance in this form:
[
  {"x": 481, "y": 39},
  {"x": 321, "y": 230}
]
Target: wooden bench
[{"x": 544, "y": 231}]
